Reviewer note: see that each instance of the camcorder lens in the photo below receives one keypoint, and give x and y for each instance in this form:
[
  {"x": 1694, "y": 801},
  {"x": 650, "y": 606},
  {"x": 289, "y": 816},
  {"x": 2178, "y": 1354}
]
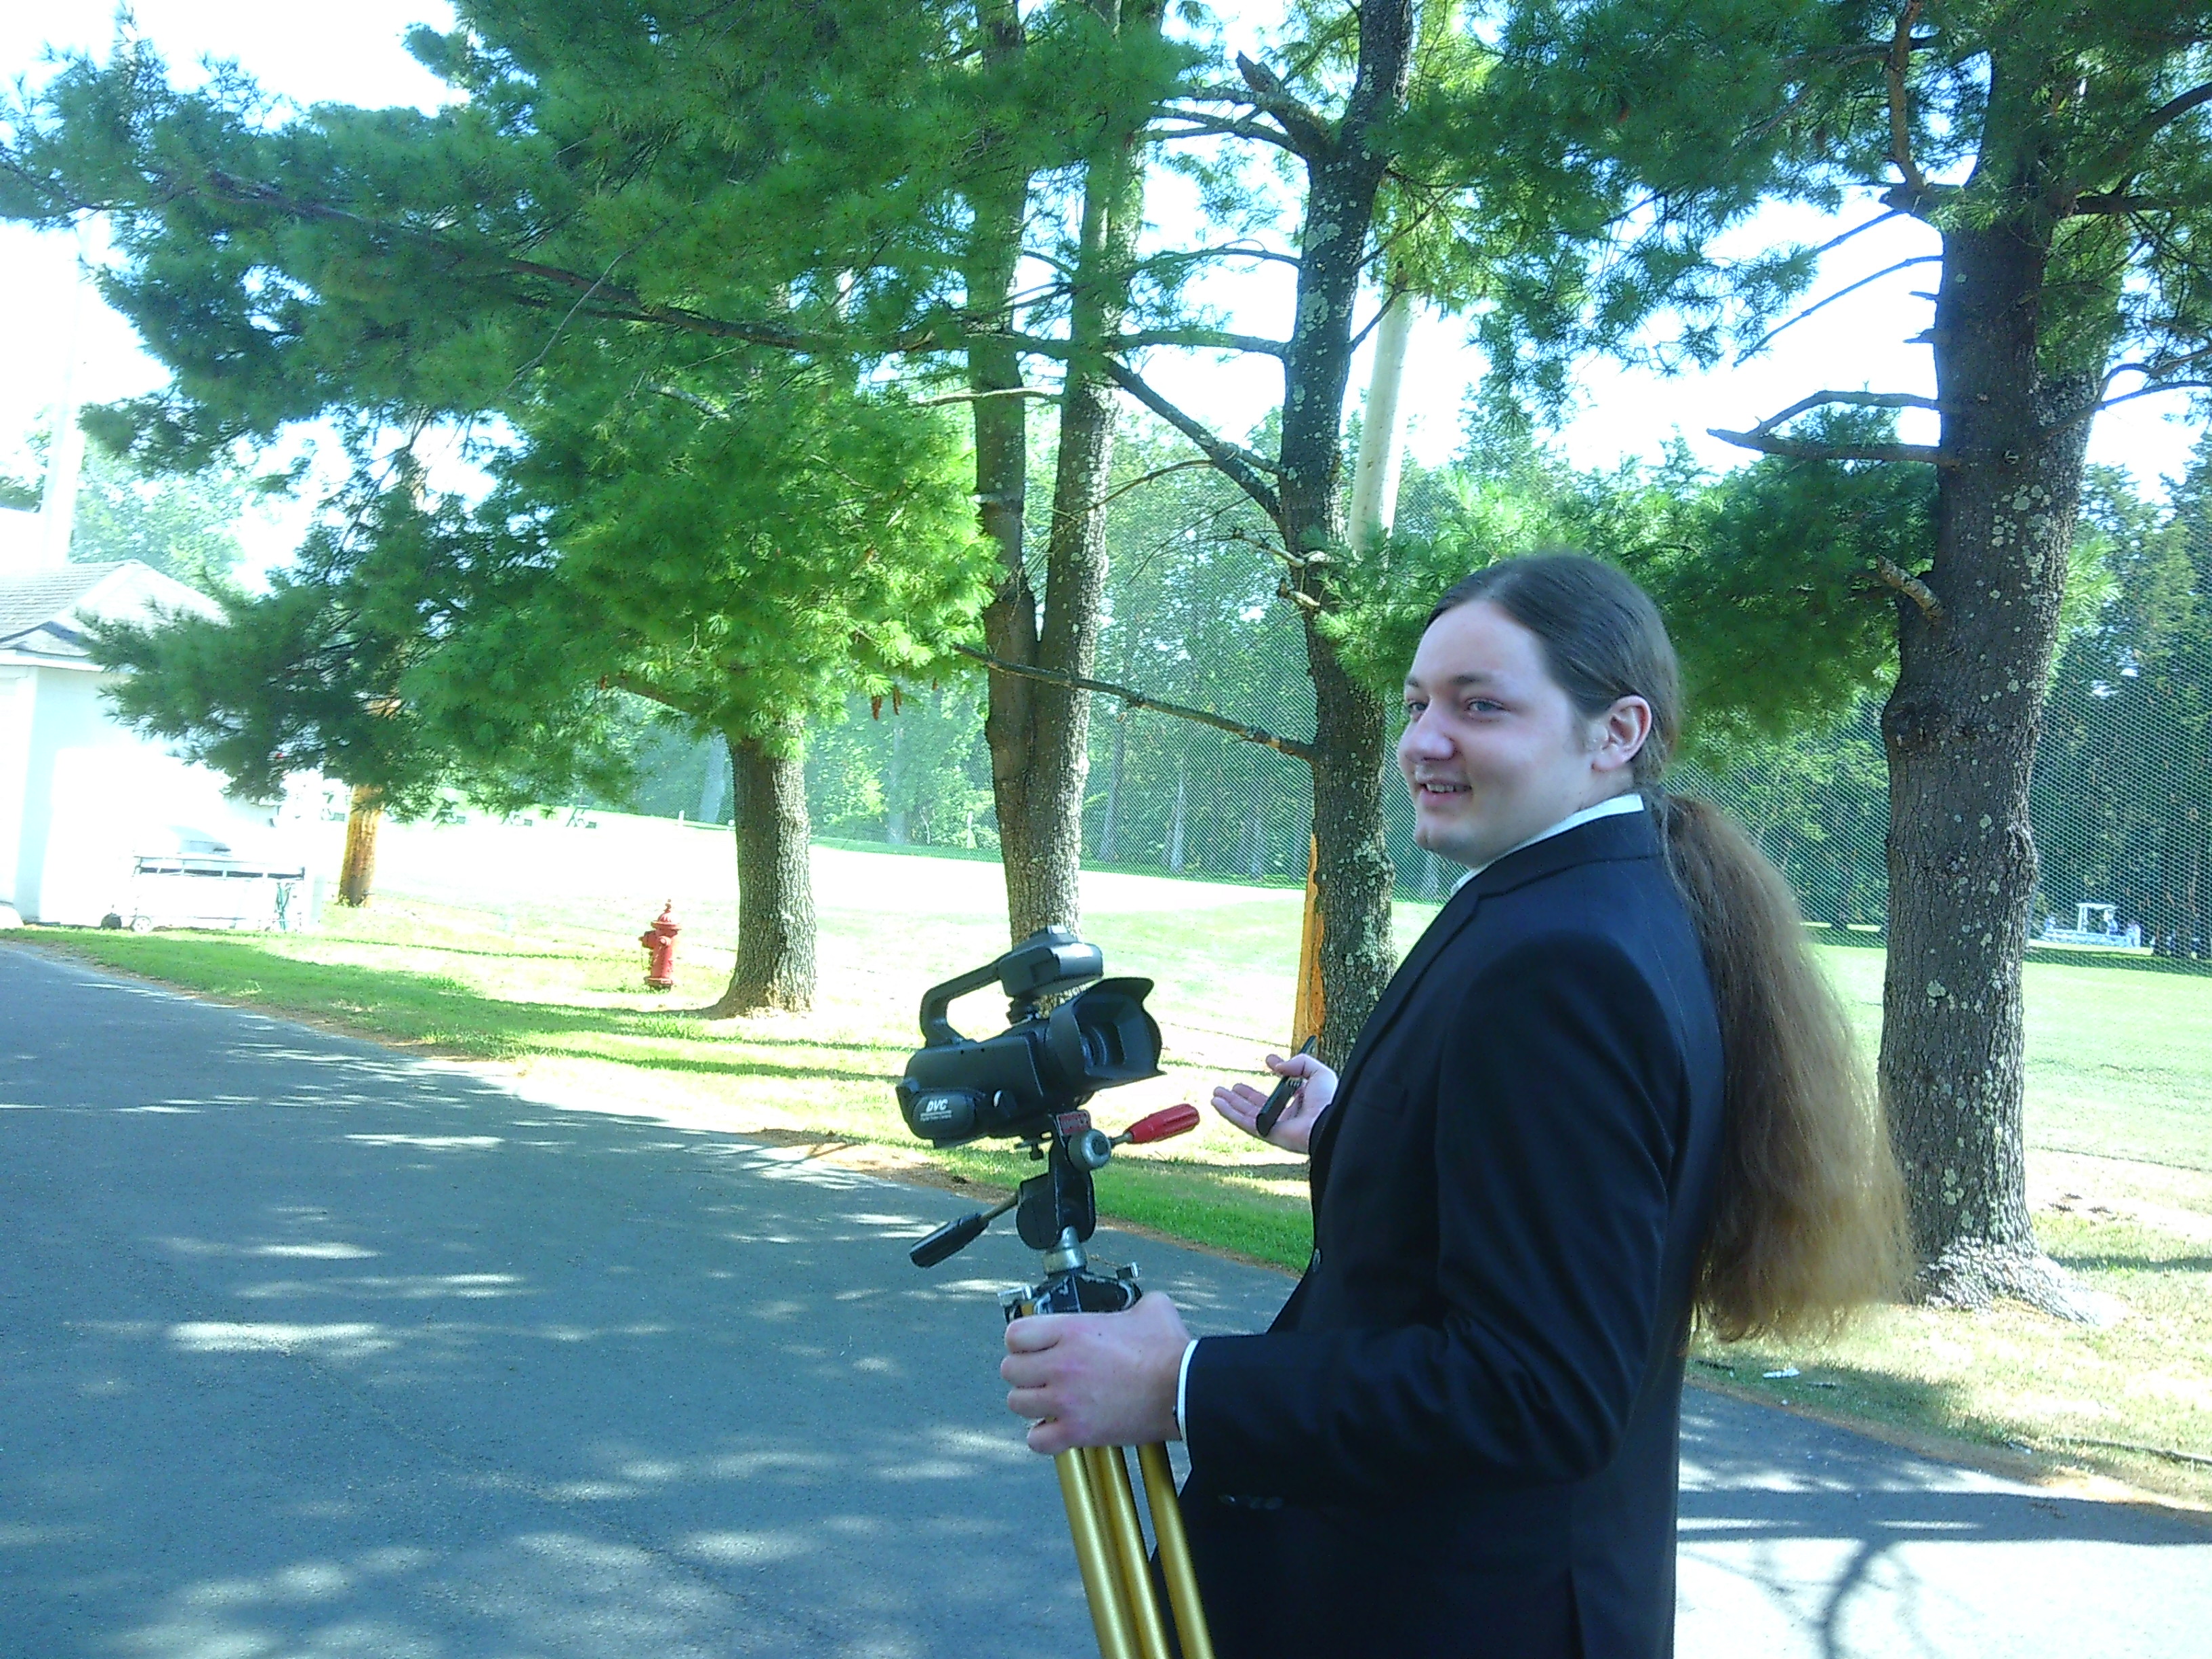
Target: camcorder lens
[{"x": 1104, "y": 1037}]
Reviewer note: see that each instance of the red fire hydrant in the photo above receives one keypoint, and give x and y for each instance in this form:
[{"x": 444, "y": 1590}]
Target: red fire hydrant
[{"x": 659, "y": 943}]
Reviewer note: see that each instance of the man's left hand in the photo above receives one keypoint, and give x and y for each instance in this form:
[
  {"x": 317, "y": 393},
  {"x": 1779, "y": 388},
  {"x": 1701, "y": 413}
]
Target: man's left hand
[{"x": 1097, "y": 1379}]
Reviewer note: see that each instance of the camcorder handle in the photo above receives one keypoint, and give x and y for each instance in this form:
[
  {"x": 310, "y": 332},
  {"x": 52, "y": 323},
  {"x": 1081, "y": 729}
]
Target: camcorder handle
[{"x": 1046, "y": 959}]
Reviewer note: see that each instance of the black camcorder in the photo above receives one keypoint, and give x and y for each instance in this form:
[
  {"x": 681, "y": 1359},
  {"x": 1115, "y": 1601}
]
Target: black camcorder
[
  {"x": 957, "y": 1089},
  {"x": 1030, "y": 1082}
]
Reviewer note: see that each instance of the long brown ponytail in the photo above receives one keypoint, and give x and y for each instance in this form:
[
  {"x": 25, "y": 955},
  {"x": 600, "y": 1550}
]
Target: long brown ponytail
[{"x": 1808, "y": 1220}]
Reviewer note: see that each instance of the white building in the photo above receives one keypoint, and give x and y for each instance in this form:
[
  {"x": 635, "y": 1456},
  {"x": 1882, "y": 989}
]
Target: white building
[
  {"x": 98, "y": 823},
  {"x": 83, "y": 799}
]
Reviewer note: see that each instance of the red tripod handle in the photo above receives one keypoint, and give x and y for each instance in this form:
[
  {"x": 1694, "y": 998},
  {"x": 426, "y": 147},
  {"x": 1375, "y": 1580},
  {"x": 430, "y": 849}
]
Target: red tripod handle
[{"x": 1173, "y": 1121}]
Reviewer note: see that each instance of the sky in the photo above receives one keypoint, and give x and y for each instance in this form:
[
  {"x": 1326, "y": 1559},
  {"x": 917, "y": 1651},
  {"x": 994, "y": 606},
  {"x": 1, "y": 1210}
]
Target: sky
[{"x": 355, "y": 54}]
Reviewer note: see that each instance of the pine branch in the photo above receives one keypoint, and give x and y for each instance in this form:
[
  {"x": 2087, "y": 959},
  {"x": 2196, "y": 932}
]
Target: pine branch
[
  {"x": 1144, "y": 478},
  {"x": 1209, "y": 126},
  {"x": 638, "y": 686},
  {"x": 1799, "y": 449},
  {"x": 1835, "y": 242},
  {"x": 1201, "y": 339},
  {"x": 1393, "y": 292},
  {"x": 2143, "y": 391},
  {"x": 1856, "y": 399},
  {"x": 1190, "y": 339},
  {"x": 693, "y": 400},
  {"x": 2156, "y": 376},
  {"x": 983, "y": 396},
  {"x": 1226, "y": 250},
  {"x": 1310, "y": 135},
  {"x": 2116, "y": 203},
  {"x": 620, "y": 304},
  {"x": 1790, "y": 106},
  {"x": 1895, "y": 575},
  {"x": 2156, "y": 369},
  {"x": 1900, "y": 108},
  {"x": 1864, "y": 52},
  {"x": 553, "y": 338},
  {"x": 2115, "y": 159},
  {"x": 1242, "y": 466},
  {"x": 1135, "y": 699},
  {"x": 1845, "y": 292}
]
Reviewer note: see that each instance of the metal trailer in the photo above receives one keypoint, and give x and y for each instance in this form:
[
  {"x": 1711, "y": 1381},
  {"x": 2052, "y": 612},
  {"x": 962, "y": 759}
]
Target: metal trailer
[{"x": 212, "y": 889}]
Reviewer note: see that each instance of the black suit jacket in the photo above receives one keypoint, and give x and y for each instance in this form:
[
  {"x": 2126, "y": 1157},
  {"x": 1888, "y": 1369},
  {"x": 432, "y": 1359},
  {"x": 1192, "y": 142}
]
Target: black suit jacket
[{"x": 1459, "y": 1436}]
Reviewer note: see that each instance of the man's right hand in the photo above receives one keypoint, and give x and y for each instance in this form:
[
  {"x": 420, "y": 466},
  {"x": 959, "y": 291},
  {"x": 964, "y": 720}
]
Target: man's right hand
[{"x": 1240, "y": 1102}]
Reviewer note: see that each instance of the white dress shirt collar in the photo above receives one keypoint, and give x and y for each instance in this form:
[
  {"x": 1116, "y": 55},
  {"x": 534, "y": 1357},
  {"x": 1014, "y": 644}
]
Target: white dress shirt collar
[{"x": 1619, "y": 805}]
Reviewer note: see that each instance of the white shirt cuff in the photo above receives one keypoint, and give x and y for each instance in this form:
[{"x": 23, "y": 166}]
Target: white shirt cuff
[{"x": 1182, "y": 1383}]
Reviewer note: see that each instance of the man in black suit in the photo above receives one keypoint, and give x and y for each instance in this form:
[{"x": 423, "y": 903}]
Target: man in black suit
[{"x": 1459, "y": 1434}]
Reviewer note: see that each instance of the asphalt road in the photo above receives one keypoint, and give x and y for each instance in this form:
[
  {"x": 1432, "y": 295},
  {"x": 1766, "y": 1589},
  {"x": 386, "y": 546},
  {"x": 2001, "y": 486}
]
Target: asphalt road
[{"x": 310, "y": 1350}]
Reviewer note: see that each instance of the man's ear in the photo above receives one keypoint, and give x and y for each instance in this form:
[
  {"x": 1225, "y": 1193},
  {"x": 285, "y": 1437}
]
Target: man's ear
[{"x": 1621, "y": 733}]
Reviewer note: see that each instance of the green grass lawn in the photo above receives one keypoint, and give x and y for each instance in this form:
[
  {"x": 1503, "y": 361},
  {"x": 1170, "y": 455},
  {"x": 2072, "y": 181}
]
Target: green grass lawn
[{"x": 516, "y": 946}]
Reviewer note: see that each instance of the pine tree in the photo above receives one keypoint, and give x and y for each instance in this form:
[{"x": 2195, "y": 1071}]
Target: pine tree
[
  {"x": 745, "y": 571},
  {"x": 857, "y": 180},
  {"x": 185, "y": 526},
  {"x": 2058, "y": 153}
]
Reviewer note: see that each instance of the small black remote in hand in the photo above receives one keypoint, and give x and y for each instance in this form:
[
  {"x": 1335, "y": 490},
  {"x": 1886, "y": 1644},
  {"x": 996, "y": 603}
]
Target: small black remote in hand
[{"x": 1281, "y": 1098}]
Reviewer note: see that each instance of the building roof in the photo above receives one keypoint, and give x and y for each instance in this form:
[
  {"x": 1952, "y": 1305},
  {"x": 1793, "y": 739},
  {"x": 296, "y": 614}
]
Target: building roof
[{"x": 44, "y": 613}]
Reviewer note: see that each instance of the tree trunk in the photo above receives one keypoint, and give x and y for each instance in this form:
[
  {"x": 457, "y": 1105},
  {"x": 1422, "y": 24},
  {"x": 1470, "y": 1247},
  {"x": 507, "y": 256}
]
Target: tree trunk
[
  {"x": 895, "y": 787},
  {"x": 357, "y": 869},
  {"x": 1353, "y": 867},
  {"x": 1959, "y": 731},
  {"x": 1350, "y": 723},
  {"x": 1039, "y": 734},
  {"x": 998, "y": 208},
  {"x": 717, "y": 780},
  {"x": 1046, "y": 766},
  {"x": 1172, "y": 855},
  {"x": 775, "y": 882},
  {"x": 2181, "y": 865},
  {"x": 1109, "y": 830},
  {"x": 1375, "y": 473}
]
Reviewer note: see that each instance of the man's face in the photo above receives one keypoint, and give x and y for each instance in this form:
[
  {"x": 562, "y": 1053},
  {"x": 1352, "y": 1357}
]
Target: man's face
[{"x": 1493, "y": 752}]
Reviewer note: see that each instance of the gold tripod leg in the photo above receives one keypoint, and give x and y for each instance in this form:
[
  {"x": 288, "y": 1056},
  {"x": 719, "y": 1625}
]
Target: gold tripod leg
[
  {"x": 1094, "y": 1555},
  {"x": 1175, "y": 1551},
  {"x": 1117, "y": 1509}
]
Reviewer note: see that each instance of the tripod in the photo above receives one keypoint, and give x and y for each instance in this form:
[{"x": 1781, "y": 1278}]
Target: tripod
[{"x": 1057, "y": 1211}]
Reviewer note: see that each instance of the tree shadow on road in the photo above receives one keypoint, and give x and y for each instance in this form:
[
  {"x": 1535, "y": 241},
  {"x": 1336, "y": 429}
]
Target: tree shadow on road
[
  {"x": 434, "y": 1369},
  {"x": 1863, "y": 1543}
]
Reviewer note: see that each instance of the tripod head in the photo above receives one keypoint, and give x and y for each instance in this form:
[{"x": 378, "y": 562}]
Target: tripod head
[{"x": 1057, "y": 1208}]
